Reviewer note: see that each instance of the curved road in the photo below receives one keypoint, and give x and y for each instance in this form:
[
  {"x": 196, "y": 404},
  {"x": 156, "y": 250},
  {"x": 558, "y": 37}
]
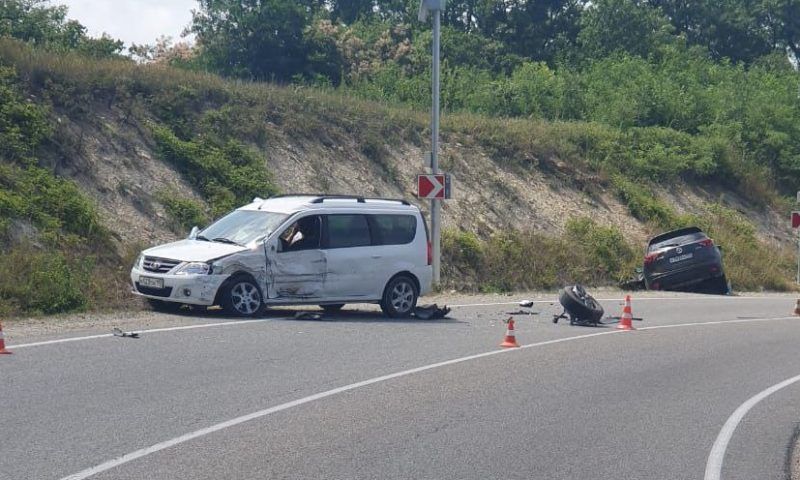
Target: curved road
[{"x": 361, "y": 396}]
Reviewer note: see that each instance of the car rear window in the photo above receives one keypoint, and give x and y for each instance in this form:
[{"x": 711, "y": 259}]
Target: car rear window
[
  {"x": 345, "y": 231},
  {"x": 676, "y": 241},
  {"x": 395, "y": 229}
]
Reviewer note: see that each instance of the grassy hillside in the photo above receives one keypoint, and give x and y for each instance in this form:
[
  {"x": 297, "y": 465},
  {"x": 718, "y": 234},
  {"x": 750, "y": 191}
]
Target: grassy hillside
[{"x": 101, "y": 157}]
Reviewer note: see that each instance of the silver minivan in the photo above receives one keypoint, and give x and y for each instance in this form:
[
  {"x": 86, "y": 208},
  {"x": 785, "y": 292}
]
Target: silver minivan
[{"x": 295, "y": 250}]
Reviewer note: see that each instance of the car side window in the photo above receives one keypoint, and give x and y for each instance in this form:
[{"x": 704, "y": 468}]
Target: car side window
[
  {"x": 395, "y": 229},
  {"x": 346, "y": 231},
  {"x": 304, "y": 234}
]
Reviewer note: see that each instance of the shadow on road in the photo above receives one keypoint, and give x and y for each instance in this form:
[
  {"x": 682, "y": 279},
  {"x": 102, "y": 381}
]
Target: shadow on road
[{"x": 343, "y": 316}]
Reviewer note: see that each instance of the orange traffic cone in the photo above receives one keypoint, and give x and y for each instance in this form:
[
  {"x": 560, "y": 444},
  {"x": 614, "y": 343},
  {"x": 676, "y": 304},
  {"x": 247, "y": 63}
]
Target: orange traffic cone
[
  {"x": 626, "y": 321},
  {"x": 3, "y": 350},
  {"x": 797, "y": 308},
  {"x": 510, "y": 341}
]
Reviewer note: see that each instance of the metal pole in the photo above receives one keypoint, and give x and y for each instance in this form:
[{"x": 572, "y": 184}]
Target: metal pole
[
  {"x": 436, "y": 205},
  {"x": 798, "y": 258}
]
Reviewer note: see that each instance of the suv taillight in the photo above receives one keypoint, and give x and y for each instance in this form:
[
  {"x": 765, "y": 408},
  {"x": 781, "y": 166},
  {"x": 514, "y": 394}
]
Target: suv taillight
[
  {"x": 430, "y": 254},
  {"x": 706, "y": 243},
  {"x": 650, "y": 258}
]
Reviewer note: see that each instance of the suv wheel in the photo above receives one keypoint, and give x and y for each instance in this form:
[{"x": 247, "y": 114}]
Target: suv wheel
[
  {"x": 399, "y": 297},
  {"x": 242, "y": 297},
  {"x": 719, "y": 285},
  {"x": 581, "y": 307}
]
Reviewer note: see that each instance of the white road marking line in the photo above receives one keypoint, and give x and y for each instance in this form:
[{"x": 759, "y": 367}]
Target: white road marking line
[
  {"x": 714, "y": 463},
  {"x": 718, "y": 322},
  {"x": 129, "y": 457},
  {"x": 638, "y": 299},
  {"x": 152, "y": 330}
]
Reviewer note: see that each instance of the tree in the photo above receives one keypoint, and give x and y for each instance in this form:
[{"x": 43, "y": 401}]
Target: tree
[
  {"x": 622, "y": 25},
  {"x": 35, "y": 21},
  {"x": 741, "y": 30},
  {"x": 348, "y": 11},
  {"x": 261, "y": 39}
]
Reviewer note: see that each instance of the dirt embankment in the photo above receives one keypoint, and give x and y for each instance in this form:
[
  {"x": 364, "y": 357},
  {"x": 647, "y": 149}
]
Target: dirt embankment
[{"x": 118, "y": 165}]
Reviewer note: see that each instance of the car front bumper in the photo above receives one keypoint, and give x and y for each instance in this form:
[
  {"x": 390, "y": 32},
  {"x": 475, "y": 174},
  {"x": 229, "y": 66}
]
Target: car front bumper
[{"x": 191, "y": 289}]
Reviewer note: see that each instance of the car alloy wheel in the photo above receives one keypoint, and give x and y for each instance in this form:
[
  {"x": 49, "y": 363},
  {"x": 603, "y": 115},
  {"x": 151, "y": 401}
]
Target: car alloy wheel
[
  {"x": 245, "y": 298},
  {"x": 402, "y": 297},
  {"x": 399, "y": 297}
]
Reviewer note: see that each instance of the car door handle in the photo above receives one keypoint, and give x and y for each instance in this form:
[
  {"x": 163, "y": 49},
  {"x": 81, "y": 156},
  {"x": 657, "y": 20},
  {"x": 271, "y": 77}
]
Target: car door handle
[{"x": 377, "y": 256}]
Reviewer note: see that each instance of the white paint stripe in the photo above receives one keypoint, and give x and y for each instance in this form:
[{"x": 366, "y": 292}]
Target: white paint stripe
[
  {"x": 715, "y": 458},
  {"x": 295, "y": 403},
  {"x": 708, "y": 297},
  {"x": 152, "y": 330},
  {"x": 719, "y": 322}
]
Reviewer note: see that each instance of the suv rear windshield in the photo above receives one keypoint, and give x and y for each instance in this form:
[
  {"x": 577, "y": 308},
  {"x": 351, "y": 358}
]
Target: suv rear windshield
[{"x": 677, "y": 241}]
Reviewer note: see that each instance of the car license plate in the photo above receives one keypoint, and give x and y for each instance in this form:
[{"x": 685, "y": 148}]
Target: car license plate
[
  {"x": 151, "y": 282},
  {"x": 681, "y": 258}
]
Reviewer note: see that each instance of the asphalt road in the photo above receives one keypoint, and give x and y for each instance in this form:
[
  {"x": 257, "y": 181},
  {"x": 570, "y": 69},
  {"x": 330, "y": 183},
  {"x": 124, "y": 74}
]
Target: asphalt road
[{"x": 598, "y": 403}]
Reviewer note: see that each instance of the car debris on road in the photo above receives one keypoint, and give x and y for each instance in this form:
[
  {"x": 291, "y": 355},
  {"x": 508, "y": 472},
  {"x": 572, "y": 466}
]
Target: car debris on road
[
  {"x": 431, "y": 312},
  {"x": 120, "y": 333},
  {"x": 307, "y": 316},
  {"x": 579, "y": 306}
]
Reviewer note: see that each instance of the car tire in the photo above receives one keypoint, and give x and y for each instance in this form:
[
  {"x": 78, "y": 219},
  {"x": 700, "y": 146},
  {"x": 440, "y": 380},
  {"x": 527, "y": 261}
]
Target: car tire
[
  {"x": 400, "y": 297},
  {"x": 719, "y": 285},
  {"x": 580, "y": 305},
  {"x": 242, "y": 297},
  {"x": 163, "y": 306},
  {"x": 332, "y": 308}
]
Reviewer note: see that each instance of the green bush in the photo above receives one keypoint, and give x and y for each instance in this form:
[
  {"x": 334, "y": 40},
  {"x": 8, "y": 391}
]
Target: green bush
[
  {"x": 185, "y": 213},
  {"x": 56, "y": 206},
  {"x": 607, "y": 253},
  {"x": 43, "y": 282},
  {"x": 587, "y": 253},
  {"x": 227, "y": 174},
  {"x": 642, "y": 204}
]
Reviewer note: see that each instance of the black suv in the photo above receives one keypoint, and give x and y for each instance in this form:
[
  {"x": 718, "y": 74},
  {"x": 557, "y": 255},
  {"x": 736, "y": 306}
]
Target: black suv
[{"x": 684, "y": 259}]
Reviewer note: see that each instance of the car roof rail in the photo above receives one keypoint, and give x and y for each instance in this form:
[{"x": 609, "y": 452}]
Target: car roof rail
[
  {"x": 358, "y": 199},
  {"x": 321, "y": 197}
]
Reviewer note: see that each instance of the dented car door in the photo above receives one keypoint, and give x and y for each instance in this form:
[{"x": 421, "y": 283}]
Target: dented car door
[{"x": 296, "y": 264}]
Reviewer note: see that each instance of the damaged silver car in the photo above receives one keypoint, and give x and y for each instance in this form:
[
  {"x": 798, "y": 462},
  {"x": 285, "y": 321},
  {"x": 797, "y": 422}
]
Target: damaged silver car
[{"x": 295, "y": 250}]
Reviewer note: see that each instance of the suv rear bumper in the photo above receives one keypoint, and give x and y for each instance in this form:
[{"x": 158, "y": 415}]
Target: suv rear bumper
[
  {"x": 685, "y": 277},
  {"x": 191, "y": 289}
]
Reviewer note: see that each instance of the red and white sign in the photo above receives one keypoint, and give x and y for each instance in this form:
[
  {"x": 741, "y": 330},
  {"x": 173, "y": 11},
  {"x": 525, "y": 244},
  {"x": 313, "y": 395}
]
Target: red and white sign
[
  {"x": 795, "y": 219},
  {"x": 432, "y": 186}
]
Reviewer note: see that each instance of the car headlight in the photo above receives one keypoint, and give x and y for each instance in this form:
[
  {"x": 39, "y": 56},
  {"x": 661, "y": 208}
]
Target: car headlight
[
  {"x": 139, "y": 262},
  {"x": 194, "y": 268}
]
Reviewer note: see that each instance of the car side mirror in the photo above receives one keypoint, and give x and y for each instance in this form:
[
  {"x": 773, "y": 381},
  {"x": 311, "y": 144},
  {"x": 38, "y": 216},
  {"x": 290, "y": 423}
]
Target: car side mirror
[
  {"x": 193, "y": 233},
  {"x": 719, "y": 247}
]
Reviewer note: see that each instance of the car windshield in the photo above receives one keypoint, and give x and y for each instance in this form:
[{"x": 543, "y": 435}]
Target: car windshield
[{"x": 242, "y": 226}]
